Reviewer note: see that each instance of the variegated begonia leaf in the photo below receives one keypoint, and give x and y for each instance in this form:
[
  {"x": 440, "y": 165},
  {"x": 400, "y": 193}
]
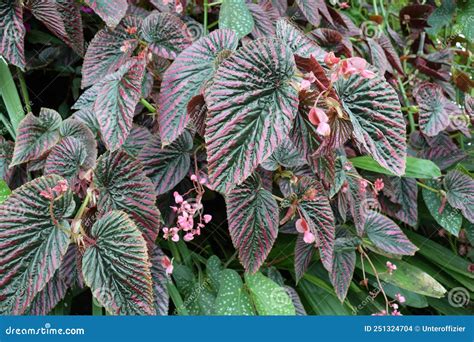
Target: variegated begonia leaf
[
  {"x": 389, "y": 50},
  {"x": 122, "y": 185},
  {"x": 117, "y": 268},
  {"x": 63, "y": 18},
  {"x": 12, "y": 32},
  {"x": 297, "y": 41},
  {"x": 433, "y": 117},
  {"x": 66, "y": 159},
  {"x": 264, "y": 19},
  {"x": 110, "y": 11},
  {"x": 296, "y": 300},
  {"x": 268, "y": 297},
  {"x": 303, "y": 255},
  {"x": 186, "y": 76},
  {"x": 36, "y": 135},
  {"x": 403, "y": 191},
  {"x": 314, "y": 206},
  {"x": 332, "y": 40},
  {"x": 386, "y": 235},
  {"x": 377, "y": 56},
  {"x": 460, "y": 192},
  {"x": 313, "y": 9},
  {"x": 379, "y": 127},
  {"x": 139, "y": 137},
  {"x": 34, "y": 237},
  {"x": 343, "y": 266},
  {"x": 160, "y": 279},
  {"x": 116, "y": 101},
  {"x": 78, "y": 130},
  {"x": 166, "y": 34},
  {"x": 252, "y": 104},
  {"x": 444, "y": 214},
  {"x": 167, "y": 166},
  {"x": 232, "y": 298},
  {"x": 285, "y": 155},
  {"x": 253, "y": 215},
  {"x": 108, "y": 50},
  {"x": 235, "y": 15}
]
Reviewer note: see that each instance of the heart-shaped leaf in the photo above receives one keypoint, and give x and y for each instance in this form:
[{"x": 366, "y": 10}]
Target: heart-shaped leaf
[
  {"x": 433, "y": 117},
  {"x": 63, "y": 18},
  {"x": 116, "y": 102},
  {"x": 166, "y": 34},
  {"x": 160, "y": 279},
  {"x": 116, "y": 266},
  {"x": 167, "y": 166},
  {"x": 33, "y": 240},
  {"x": 122, "y": 185},
  {"x": 36, "y": 135},
  {"x": 185, "y": 78},
  {"x": 232, "y": 299},
  {"x": 66, "y": 159},
  {"x": 386, "y": 235},
  {"x": 268, "y": 297},
  {"x": 444, "y": 214},
  {"x": 252, "y": 213},
  {"x": 460, "y": 192},
  {"x": 379, "y": 127},
  {"x": 12, "y": 32},
  {"x": 110, "y": 11},
  {"x": 108, "y": 50},
  {"x": 76, "y": 129},
  {"x": 315, "y": 208},
  {"x": 297, "y": 41},
  {"x": 235, "y": 15},
  {"x": 251, "y": 104}
]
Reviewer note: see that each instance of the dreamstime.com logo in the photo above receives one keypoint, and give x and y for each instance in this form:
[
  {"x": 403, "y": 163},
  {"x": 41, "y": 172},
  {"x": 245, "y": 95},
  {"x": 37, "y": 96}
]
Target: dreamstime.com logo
[
  {"x": 46, "y": 330},
  {"x": 458, "y": 297}
]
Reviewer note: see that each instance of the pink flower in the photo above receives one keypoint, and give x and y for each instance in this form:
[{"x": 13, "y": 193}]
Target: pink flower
[
  {"x": 352, "y": 66},
  {"x": 194, "y": 178},
  {"x": 378, "y": 184},
  {"x": 131, "y": 30},
  {"x": 203, "y": 181},
  {"x": 390, "y": 267},
  {"x": 363, "y": 185},
  {"x": 171, "y": 232},
  {"x": 178, "y": 198},
  {"x": 308, "y": 237},
  {"x": 189, "y": 236},
  {"x": 126, "y": 46},
  {"x": 47, "y": 194},
  {"x": 394, "y": 306},
  {"x": 207, "y": 218},
  {"x": 330, "y": 59},
  {"x": 344, "y": 5},
  {"x": 396, "y": 313},
  {"x": 305, "y": 84},
  {"x": 318, "y": 117},
  {"x": 61, "y": 187},
  {"x": 179, "y": 8},
  {"x": 303, "y": 227},
  {"x": 381, "y": 313},
  {"x": 167, "y": 264},
  {"x": 401, "y": 299}
]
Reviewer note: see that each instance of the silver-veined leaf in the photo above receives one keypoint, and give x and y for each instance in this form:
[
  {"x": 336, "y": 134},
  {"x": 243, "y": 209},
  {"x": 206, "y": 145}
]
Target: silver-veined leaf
[
  {"x": 303, "y": 255},
  {"x": 117, "y": 268},
  {"x": 139, "y": 137},
  {"x": 235, "y": 15},
  {"x": 66, "y": 159},
  {"x": 160, "y": 279},
  {"x": 123, "y": 185},
  {"x": 379, "y": 127},
  {"x": 297, "y": 41},
  {"x": 285, "y": 155},
  {"x": 253, "y": 214},
  {"x": 313, "y": 9},
  {"x": 36, "y": 135},
  {"x": 116, "y": 101},
  {"x": 12, "y": 32},
  {"x": 167, "y": 166},
  {"x": 433, "y": 117},
  {"x": 460, "y": 192},
  {"x": 343, "y": 266},
  {"x": 80, "y": 131},
  {"x": 34, "y": 237},
  {"x": 166, "y": 34},
  {"x": 386, "y": 235},
  {"x": 252, "y": 104},
  {"x": 403, "y": 191},
  {"x": 6, "y": 154},
  {"x": 185, "y": 78},
  {"x": 108, "y": 50},
  {"x": 110, "y": 11}
]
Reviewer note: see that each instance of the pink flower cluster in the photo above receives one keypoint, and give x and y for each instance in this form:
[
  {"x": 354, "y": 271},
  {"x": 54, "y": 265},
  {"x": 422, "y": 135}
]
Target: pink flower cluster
[
  {"x": 347, "y": 67},
  {"x": 390, "y": 267},
  {"x": 190, "y": 219},
  {"x": 53, "y": 193}
]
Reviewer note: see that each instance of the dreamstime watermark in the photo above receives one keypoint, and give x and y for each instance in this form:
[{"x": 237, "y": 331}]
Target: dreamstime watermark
[
  {"x": 370, "y": 29},
  {"x": 47, "y": 329},
  {"x": 280, "y": 298},
  {"x": 458, "y": 297},
  {"x": 194, "y": 295},
  {"x": 369, "y": 299},
  {"x": 194, "y": 30}
]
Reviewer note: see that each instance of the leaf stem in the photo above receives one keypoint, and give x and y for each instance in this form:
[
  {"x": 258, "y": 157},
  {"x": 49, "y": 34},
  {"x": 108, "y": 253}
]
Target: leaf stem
[
  {"x": 206, "y": 8},
  {"x": 423, "y": 185},
  {"x": 148, "y": 105},
  {"x": 175, "y": 252},
  {"x": 176, "y": 298},
  {"x": 231, "y": 259},
  {"x": 361, "y": 250},
  {"x": 84, "y": 204},
  {"x": 411, "y": 119},
  {"x": 24, "y": 91}
]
